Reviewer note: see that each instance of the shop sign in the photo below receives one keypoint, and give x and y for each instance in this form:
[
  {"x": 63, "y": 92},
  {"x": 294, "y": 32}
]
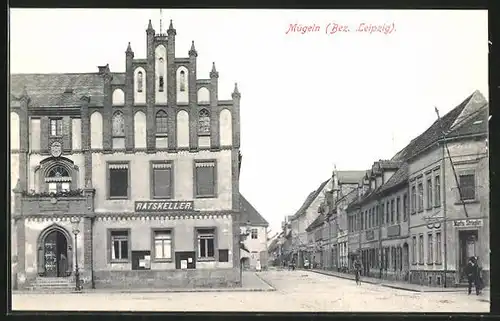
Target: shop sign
[
  {"x": 163, "y": 206},
  {"x": 468, "y": 223}
]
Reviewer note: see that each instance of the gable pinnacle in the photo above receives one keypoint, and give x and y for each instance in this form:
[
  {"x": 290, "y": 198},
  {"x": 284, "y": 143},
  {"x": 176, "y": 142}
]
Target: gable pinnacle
[
  {"x": 236, "y": 93},
  {"x": 192, "y": 51},
  {"x": 171, "y": 31},
  {"x": 129, "y": 49},
  {"x": 214, "y": 73},
  {"x": 150, "y": 25}
]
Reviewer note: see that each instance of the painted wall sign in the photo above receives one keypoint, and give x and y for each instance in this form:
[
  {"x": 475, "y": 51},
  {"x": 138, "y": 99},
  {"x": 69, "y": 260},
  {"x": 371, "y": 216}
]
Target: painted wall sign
[
  {"x": 163, "y": 206},
  {"x": 468, "y": 223}
]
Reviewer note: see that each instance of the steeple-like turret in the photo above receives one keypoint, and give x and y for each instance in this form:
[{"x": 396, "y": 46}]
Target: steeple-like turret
[
  {"x": 171, "y": 31},
  {"x": 192, "y": 51},
  {"x": 214, "y": 73},
  {"x": 150, "y": 28}
]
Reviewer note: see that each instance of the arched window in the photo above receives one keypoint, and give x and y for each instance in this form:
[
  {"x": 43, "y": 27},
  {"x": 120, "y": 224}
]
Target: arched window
[
  {"x": 161, "y": 70},
  {"x": 161, "y": 122},
  {"x": 204, "y": 122},
  {"x": 182, "y": 81},
  {"x": 118, "y": 124},
  {"x": 139, "y": 81},
  {"x": 58, "y": 179}
]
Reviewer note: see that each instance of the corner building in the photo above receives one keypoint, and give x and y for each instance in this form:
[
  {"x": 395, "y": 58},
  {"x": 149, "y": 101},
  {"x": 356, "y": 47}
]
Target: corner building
[{"x": 144, "y": 164}]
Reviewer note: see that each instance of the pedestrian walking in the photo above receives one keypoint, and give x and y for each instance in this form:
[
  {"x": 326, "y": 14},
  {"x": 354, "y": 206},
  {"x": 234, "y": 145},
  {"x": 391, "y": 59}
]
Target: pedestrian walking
[
  {"x": 357, "y": 271},
  {"x": 472, "y": 272}
]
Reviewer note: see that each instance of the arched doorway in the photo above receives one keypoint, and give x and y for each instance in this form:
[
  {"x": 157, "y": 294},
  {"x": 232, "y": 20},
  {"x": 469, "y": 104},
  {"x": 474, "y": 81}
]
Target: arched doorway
[
  {"x": 245, "y": 263},
  {"x": 54, "y": 253}
]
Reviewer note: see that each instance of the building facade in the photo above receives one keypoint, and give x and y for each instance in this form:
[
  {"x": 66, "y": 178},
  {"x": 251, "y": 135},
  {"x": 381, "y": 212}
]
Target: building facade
[
  {"x": 449, "y": 195},
  {"x": 256, "y": 250},
  {"x": 144, "y": 165}
]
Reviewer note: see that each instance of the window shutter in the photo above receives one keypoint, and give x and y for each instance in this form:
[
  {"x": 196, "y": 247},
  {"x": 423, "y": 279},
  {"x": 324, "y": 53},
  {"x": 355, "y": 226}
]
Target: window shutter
[
  {"x": 67, "y": 138},
  {"x": 205, "y": 180},
  {"x": 44, "y": 134},
  {"x": 162, "y": 184}
]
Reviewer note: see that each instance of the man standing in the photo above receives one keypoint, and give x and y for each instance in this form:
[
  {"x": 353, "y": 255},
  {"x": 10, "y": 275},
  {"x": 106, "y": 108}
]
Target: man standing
[
  {"x": 357, "y": 270},
  {"x": 472, "y": 272}
]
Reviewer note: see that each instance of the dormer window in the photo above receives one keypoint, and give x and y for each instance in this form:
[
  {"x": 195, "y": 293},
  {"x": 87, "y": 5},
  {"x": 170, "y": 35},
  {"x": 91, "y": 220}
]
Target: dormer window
[
  {"x": 182, "y": 81},
  {"x": 139, "y": 82}
]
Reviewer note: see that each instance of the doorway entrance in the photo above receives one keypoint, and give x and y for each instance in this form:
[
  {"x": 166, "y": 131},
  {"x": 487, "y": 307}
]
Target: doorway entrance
[
  {"x": 55, "y": 253},
  {"x": 467, "y": 246}
]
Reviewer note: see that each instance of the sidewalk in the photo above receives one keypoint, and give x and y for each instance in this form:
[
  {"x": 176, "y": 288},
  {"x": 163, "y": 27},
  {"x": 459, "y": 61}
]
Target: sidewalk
[
  {"x": 393, "y": 284},
  {"x": 251, "y": 282}
]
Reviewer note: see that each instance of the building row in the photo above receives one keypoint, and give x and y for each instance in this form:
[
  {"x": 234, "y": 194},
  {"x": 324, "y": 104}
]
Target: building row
[
  {"x": 416, "y": 217},
  {"x": 133, "y": 177}
]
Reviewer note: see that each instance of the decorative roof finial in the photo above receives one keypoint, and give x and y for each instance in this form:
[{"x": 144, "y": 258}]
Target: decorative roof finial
[
  {"x": 129, "y": 49},
  {"x": 150, "y": 25}
]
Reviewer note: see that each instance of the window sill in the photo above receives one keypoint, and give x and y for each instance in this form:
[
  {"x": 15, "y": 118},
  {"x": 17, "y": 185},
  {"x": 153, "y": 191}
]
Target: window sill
[
  {"x": 466, "y": 202},
  {"x": 205, "y": 196},
  {"x": 162, "y": 261},
  {"x": 421, "y": 264},
  {"x": 430, "y": 263},
  {"x": 204, "y": 134},
  {"x": 119, "y": 261},
  {"x": 117, "y": 198},
  {"x": 204, "y": 259},
  {"x": 438, "y": 263},
  {"x": 160, "y": 135},
  {"x": 161, "y": 197}
]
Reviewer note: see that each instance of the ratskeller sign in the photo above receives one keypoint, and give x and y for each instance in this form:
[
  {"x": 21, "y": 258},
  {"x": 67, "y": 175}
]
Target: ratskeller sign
[{"x": 163, "y": 206}]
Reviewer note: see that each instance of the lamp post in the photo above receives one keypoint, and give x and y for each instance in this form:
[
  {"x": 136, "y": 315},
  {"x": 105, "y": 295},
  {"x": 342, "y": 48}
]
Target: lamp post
[{"x": 76, "y": 221}]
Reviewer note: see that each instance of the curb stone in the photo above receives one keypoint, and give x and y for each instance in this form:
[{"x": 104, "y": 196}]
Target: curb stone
[
  {"x": 148, "y": 291},
  {"x": 272, "y": 288}
]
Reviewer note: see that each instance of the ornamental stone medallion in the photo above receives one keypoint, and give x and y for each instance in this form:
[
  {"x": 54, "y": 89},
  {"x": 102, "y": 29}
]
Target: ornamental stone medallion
[{"x": 56, "y": 149}]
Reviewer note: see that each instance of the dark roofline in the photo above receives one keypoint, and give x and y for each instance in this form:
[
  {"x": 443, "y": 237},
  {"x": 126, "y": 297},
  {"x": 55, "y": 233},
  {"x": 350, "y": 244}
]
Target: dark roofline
[{"x": 312, "y": 196}]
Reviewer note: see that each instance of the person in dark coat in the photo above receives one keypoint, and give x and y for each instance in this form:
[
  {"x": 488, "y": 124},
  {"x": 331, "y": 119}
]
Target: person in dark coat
[{"x": 472, "y": 272}]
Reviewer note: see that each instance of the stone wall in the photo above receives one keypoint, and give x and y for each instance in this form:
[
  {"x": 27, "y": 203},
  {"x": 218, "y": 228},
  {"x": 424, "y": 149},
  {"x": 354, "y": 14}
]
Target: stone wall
[
  {"x": 433, "y": 278},
  {"x": 167, "y": 279}
]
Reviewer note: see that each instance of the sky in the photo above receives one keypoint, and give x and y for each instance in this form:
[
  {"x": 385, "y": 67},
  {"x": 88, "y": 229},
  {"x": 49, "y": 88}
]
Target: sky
[{"x": 309, "y": 101}]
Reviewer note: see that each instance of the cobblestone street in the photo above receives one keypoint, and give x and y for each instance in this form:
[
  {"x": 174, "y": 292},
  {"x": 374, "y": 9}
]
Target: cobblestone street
[{"x": 296, "y": 291}]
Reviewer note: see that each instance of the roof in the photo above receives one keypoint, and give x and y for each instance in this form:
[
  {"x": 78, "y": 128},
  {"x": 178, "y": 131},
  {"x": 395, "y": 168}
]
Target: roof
[
  {"x": 48, "y": 90},
  {"x": 350, "y": 177},
  {"x": 476, "y": 123},
  {"x": 310, "y": 198},
  {"x": 250, "y": 214},
  {"x": 320, "y": 220},
  {"x": 432, "y": 134}
]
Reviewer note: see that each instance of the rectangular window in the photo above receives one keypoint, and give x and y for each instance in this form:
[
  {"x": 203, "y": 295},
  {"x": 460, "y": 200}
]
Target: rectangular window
[
  {"x": 421, "y": 249},
  {"x": 467, "y": 187},
  {"x": 161, "y": 83},
  {"x": 438, "y": 247},
  {"x": 56, "y": 127},
  {"x": 366, "y": 220},
  {"x": 205, "y": 179},
  {"x": 392, "y": 211},
  {"x": 398, "y": 210},
  {"x": 414, "y": 250},
  {"x": 206, "y": 243},
  {"x": 119, "y": 243},
  {"x": 255, "y": 234},
  {"x": 429, "y": 193},
  {"x": 413, "y": 199},
  {"x": 420, "y": 196},
  {"x": 405, "y": 207},
  {"x": 430, "y": 249},
  {"x": 437, "y": 191},
  {"x": 118, "y": 181},
  {"x": 163, "y": 245},
  {"x": 162, "y": 180},
  {"x": 362, "y": 221},
  {"x": 382, "y": 211}
]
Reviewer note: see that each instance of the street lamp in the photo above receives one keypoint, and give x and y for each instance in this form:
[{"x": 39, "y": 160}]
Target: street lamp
[{"x": 76, "y": 221}]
